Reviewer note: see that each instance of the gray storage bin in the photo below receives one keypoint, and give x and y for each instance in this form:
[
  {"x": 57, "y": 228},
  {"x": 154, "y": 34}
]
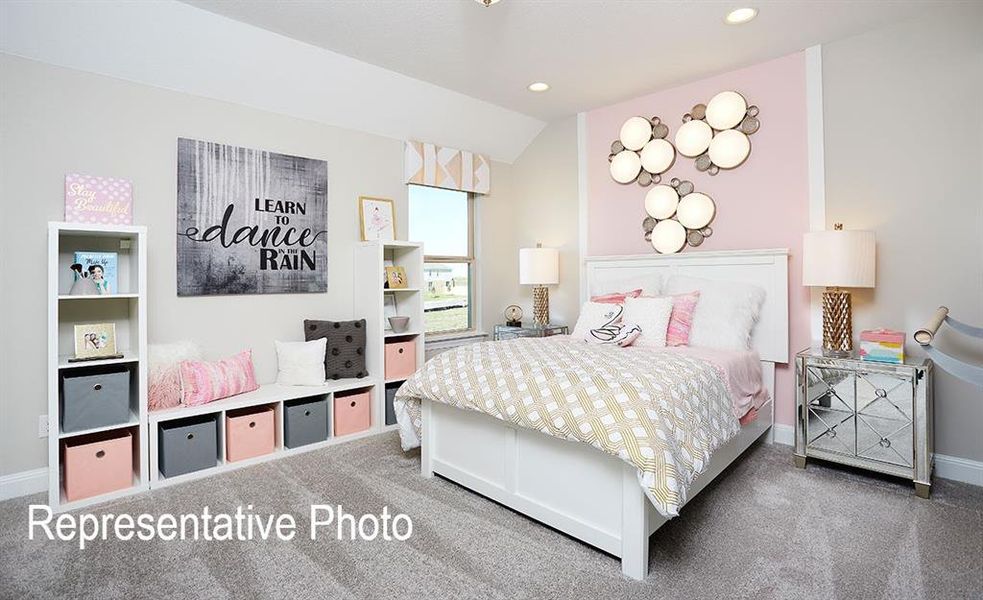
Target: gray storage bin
[
  {"x": 187, "y": 445},
  {"x": 94, "y": 398},
  {"x": 305, "y": 421},
  {"x": 390, "y": 410}
]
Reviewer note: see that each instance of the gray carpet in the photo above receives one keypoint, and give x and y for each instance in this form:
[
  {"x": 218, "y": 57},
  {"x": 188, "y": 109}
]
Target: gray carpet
[{"x": 763, "y": 530}]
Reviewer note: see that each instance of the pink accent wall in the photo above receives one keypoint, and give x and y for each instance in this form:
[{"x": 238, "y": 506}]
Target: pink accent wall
[{"x": 764, "y": 203}]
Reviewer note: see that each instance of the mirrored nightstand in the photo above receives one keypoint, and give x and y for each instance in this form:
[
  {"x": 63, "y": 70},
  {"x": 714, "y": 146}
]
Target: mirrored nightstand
[
  {"x": 507, "y": 332},
  {"x": 871, "y": 415}
]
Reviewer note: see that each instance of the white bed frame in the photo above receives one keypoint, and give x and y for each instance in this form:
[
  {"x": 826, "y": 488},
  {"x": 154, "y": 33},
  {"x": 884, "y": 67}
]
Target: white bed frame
[{"x": 570, "y": 486}]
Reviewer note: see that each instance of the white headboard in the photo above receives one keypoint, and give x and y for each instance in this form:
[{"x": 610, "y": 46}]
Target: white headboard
[{"x": 767, "y": 269}]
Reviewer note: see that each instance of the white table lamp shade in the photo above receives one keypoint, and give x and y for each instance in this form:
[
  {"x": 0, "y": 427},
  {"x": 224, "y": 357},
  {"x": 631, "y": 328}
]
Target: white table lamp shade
[
  {"x": 539, "y": 266},
  {"x": 838, "y": 258}
]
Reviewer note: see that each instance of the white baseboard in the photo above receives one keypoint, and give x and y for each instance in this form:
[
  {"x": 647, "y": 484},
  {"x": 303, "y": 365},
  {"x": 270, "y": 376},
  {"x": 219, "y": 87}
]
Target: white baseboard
[
  {"x": 784, "y": 434},
  {"x": 946, "y": 467},
  {"x": 959, "y": 469},
  {"x": 23, "y": 483}
]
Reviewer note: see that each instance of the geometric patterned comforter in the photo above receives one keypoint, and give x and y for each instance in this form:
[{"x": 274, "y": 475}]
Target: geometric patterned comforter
[{"x": 661, "y": 412}]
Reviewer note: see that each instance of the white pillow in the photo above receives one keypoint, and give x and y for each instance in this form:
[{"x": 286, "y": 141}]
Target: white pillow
[
  {"x": 594, "y": 315},
  {"x": 300, "y": 363},
  {"x": 725, "y": 314},
  {"x": 652, "y": 315}
]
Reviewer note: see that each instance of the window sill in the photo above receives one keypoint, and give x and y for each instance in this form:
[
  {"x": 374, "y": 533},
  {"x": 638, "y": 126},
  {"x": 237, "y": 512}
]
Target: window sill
[{"x": 457, "y": 336}]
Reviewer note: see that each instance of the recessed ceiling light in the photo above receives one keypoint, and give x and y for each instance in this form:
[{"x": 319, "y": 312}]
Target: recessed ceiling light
[
  {"x": 539, "y": 86},
  {"x": 739, "y": 16}
]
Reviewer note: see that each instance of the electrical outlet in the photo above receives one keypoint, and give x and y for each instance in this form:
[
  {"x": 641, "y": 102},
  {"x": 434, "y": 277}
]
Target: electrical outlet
[{"x": 43, "y": 426}]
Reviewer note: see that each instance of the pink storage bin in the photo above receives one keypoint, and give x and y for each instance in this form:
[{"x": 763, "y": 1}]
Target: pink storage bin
[
  {"x": 249, "y": 432},
  {"x": 352, "y": 412},
  {"x": 97, "y": 464},
  {"x": 400, "y": 359}
]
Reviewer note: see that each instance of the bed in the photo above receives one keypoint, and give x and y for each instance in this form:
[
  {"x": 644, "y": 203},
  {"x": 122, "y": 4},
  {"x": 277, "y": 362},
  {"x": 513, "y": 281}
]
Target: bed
[{"x": 571, "y": 485}]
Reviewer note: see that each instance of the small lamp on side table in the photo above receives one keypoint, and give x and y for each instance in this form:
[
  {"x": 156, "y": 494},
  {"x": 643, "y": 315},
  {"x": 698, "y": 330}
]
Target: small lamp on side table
[
  {"x": 539, "y": 267},
  {"x": 838, "y": 259}
]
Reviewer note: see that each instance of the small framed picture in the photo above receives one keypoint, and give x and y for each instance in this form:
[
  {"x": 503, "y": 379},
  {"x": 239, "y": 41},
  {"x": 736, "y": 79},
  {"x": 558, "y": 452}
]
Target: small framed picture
[
  {"x": 388, "y": 309},
  {"x": 377, "y": 217},
  {"x": 95, "y": 340},
  {"x": 396, "y": 277}
]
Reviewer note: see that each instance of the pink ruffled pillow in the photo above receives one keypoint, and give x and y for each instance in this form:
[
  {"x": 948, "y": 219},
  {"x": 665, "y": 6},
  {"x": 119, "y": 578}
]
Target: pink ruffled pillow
[
  {"x": 203, "y": 382},
  {"x": 681, "y": 319},
  {"x": 617, "y": 297}
]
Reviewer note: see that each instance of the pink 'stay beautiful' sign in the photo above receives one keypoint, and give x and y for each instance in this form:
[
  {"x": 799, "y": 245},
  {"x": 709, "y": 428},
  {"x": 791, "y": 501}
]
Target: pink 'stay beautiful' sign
[{"x": 103, "y": 200}]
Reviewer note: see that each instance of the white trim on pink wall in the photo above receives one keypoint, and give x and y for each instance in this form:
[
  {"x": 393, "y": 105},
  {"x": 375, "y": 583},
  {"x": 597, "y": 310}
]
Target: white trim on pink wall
[{"x": 582, "y": 204}]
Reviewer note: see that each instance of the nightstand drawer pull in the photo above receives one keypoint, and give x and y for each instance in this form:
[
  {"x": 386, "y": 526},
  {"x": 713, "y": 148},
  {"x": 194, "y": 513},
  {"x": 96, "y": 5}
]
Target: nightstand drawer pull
[
  {"x": 885, "y": 443},
  {"x": 880, "y": 393}
]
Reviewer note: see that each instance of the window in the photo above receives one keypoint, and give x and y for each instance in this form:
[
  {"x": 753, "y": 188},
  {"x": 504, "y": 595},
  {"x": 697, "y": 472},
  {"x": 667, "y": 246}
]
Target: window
[{"x": 444, "y": 221}]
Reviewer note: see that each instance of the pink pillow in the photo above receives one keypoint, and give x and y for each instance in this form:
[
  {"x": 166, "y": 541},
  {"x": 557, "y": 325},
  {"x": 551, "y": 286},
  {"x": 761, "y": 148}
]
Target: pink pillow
[
  {"x": 681, "y": 319},
  {"x": 616, "y": 298},
  {"x": 203, "y": 382}
]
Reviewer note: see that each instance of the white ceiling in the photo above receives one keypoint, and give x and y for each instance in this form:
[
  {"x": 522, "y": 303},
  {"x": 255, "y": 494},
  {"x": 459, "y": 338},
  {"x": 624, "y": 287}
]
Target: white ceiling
[
  {"x": 172, "y": 45},
  {"x": 591, "y": 52}
]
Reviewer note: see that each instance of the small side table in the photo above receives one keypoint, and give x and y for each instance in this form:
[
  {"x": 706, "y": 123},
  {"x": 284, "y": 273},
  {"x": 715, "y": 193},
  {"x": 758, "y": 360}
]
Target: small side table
[
  {"x": 507, "y": 332},
  {"x": 870, "y": 415}
]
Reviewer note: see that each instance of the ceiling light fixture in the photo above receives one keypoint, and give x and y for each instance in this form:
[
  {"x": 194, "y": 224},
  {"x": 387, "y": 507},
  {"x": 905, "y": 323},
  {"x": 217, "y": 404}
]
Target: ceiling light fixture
[
  {"x": 538, "y": 86},
  {"x": 739, "y": 16},
  {"x": 486, "y": 3}
]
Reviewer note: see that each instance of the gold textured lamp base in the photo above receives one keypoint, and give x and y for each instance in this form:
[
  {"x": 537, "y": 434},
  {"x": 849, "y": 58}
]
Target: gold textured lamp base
[
  {"x": 541, "y": 305},
  {"x": 837, "y": 323}
]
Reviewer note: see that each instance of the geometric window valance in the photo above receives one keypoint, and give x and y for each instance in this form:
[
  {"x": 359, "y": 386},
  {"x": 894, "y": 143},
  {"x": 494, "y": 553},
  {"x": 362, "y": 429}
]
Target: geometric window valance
[{"x": 450, "y": 168}]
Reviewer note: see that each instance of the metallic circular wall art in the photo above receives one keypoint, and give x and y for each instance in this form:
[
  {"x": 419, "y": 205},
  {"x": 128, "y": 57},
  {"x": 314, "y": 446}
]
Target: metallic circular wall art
[
  {"x": 635, "y": 132},
  {"x": 695, "y": 211},
  {"x": 729, "y": 148},
  {"x": 625, "y": 166},
  {"x": 726, "y": 110},
  {"x": 729, "y": 121},
  {"x": 668, "y": 237},
  {"x": 657, "y": 156},
  {"x": 677, "y": 216},
  {"x": 693, "y": 138},
  {"x": 661, "y": 201},
  {"x": 645, "y": 139}
]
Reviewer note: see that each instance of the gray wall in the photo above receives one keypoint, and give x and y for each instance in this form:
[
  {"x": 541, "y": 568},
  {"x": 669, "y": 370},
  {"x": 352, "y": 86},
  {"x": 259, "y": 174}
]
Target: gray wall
[
  {"x": 55, "y": 121},
  {"x": 904, "y": 158},
  {"x": 540, "y": 206}
]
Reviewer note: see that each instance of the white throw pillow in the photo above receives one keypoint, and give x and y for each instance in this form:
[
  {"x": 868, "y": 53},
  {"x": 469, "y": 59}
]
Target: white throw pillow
[
  {"x": 725, "y": 314},
  {"x": 652, "y": 315},
  {"x": 300, "y": 363},
  {"x": 594, "y": 315}
]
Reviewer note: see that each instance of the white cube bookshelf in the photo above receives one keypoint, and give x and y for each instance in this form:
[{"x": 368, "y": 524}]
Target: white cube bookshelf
[
  {"x": 271, "y": 395},
  {"x": 371, "y": 259},
  {"x": 127, "y": 309}
]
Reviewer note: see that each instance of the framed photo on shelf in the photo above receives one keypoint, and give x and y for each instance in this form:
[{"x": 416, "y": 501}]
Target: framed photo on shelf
[
  {"x": 95, "y": 340},
  {"x": 396, "y": 277},
  {"x": 388, "y": 309},
  {"x": 377, "y": 218}
]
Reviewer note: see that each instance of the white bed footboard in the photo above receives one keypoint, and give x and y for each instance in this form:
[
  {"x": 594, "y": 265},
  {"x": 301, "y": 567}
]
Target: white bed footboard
[{"x": 529, "y": 472}]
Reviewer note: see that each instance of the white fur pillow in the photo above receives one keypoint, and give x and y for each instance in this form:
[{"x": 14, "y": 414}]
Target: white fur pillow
[
  {"x": 725, "y": 314},
  {"x": 301, "y": 363},
  {"x": 652, "y": 315},
  {"x": 594, "y": 315},
  {"x": 164, "y": 375}
]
